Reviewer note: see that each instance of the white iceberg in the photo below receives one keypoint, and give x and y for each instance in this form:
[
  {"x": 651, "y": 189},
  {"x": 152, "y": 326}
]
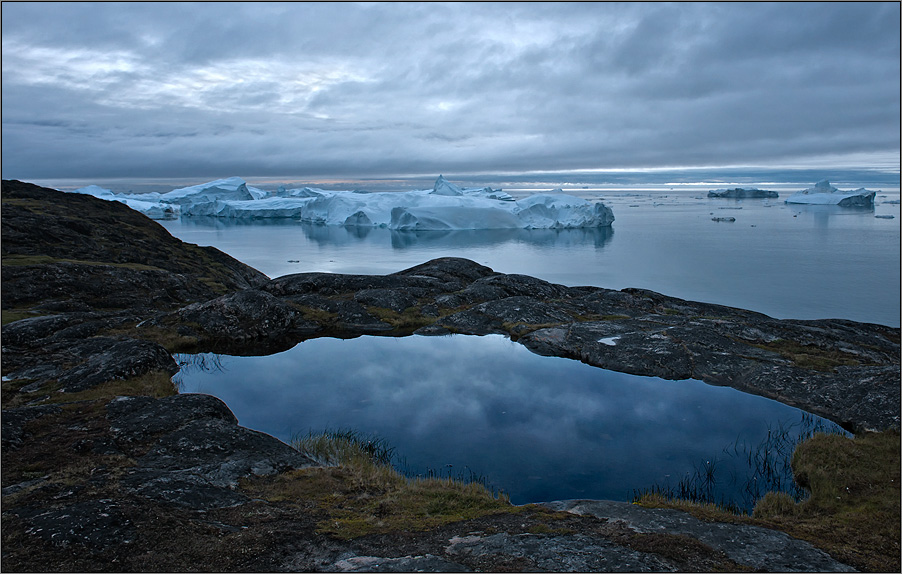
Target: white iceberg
[
  {"x": 96, "y": 191},
  {"x": 232, "y": 188},
  {"x": 147, "y": 203},
  {"x": 444, "y": 207},
  {"x": 825, "y": 194}
]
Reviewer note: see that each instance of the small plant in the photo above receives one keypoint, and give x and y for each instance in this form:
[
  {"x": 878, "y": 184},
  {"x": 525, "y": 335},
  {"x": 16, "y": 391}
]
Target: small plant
[
  {"x": 361, "y": 493},
  {"x": 769, "y": 469}
]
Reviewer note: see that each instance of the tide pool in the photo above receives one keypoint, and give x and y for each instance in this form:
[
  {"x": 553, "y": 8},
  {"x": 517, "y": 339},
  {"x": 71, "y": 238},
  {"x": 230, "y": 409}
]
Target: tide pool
[{"x": 539, "y": 428}]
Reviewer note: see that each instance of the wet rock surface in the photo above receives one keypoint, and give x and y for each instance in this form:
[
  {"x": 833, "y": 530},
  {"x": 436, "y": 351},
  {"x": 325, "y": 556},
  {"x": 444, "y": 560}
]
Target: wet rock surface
[{"x": 150, "y": 480}]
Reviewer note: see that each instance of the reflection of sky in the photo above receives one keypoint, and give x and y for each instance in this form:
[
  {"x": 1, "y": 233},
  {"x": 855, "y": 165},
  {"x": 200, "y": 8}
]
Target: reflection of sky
[{"x": 540, "y": 428}]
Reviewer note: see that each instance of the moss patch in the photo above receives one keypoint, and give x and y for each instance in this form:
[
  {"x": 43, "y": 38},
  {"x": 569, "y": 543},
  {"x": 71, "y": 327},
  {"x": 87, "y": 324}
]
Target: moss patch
[
  {"x": 408, "y": 320},
  {"x": 19, "y": 260},
  {"x": 809, "y": 356}
]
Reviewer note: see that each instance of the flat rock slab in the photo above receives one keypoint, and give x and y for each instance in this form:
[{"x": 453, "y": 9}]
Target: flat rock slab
[
  {"x": 758, "y": 548},
  {"x": 195, "y": 452}
]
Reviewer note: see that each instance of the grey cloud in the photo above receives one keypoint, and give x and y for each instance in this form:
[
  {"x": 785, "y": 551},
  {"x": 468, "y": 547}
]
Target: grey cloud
[{"x": 313, "y": 87}]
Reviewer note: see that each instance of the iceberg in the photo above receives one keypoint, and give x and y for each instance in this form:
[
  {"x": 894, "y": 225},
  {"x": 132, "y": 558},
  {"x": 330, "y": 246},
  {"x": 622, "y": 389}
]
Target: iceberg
[
  {"x": 96, "y": 191},
  {"x": 444, "y": 207},
  {"x": 825, "y": 194},
  {"x": 232, "y": 188},
  {"x": 742, "y": 193},
  {"x": 146, "y": 203}
]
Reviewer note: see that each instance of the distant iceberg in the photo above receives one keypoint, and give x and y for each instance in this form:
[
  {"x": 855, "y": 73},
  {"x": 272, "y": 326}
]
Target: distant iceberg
[
  {"x": 825, "y": 194},
  {"x": 444, "y": 207},
  {"x": 742, "y": 193}
]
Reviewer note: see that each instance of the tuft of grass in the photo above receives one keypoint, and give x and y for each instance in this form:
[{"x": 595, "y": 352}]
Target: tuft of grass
[
  {"x": 315, "y": 314},
  {"x": 360, "y": 493},
  {"x": 615, "y": 317},
  {"x": 409, "y": 319},
  {"x": 157, "y": 384},
  {"x": 853, "y": 512},
  {"x": 809, "y": 356}
]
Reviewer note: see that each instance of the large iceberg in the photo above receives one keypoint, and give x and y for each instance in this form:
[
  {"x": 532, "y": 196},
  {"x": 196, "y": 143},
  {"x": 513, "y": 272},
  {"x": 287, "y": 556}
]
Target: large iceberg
[
  {"x": 444, "y": 207},
  {"x": 147, "y": 203},
  {"x": 742, "y": 193},
  {"x": 825, "y": 194}
]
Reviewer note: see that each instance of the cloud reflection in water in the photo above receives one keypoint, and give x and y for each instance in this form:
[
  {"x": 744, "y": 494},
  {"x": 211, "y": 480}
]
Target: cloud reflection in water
[{"x": 540, "y": 428}]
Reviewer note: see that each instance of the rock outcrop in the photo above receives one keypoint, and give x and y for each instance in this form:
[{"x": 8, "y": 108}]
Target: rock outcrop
[{"x": 106, "y": 468}]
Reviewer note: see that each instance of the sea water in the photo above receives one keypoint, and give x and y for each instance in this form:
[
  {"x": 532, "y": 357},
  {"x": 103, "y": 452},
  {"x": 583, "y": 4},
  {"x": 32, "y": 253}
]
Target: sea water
[{"x": 783, "y": 260}]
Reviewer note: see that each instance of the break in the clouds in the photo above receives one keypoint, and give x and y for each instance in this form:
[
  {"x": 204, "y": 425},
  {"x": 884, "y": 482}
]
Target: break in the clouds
[{"x": 173, "y": 89}]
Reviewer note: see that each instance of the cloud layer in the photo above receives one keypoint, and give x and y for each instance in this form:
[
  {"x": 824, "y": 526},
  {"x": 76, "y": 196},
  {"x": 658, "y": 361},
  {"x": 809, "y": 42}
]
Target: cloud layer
[{"x": 172, "y": 90}]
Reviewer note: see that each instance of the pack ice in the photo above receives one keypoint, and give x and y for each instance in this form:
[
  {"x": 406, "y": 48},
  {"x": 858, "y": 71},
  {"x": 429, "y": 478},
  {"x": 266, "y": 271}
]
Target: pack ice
[
  {"x": 444, "y": 207},
  {"x": 825, "y": 194}
]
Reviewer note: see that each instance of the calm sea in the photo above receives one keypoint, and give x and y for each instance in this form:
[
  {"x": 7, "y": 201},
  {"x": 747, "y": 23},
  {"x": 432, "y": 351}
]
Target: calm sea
[{"x": 787, "y": 261}]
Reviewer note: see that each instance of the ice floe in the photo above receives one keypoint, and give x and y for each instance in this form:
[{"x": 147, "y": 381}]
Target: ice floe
[
  {"x": 743, "y": 193},
  {"x": 444, "y": 207},
  {"x": 825, "y": 194}
]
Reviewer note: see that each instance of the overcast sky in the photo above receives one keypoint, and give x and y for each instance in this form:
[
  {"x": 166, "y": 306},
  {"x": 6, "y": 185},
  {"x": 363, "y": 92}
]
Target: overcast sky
[{"x": 175, "y": 90}]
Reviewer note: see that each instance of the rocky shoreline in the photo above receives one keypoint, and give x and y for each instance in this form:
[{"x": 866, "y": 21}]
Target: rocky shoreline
[{"x": 105, "y": 468}]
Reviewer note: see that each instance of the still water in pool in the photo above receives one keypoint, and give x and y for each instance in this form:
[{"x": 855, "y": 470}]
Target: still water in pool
[{"x": 538, "y": 428}]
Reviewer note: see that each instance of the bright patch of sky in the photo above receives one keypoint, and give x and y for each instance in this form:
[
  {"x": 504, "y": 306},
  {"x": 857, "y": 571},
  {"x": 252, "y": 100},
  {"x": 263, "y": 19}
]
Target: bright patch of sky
[{"x": 183, "y": 89}]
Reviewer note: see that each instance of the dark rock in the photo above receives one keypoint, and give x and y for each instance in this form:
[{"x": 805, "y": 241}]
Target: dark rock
[
  {"x": 141, "y": 418},
  {"x": 14, "y": 420},
  {"x": 453, "y": 273},
  {"x": 29, "y": 331},
  {"x": 198, "y": 451},
  {"x": 426, "y": 563},
  {"x": 394, "y": 299},
  {"x": 70, "y": 252},
  {"x": 574, "y": 553},
  {"x": 94, "y": 523},
  {"x": 242, "y": 316},
  {"x": 759, "y": 549},
  {"x": 110, "y": 359}
]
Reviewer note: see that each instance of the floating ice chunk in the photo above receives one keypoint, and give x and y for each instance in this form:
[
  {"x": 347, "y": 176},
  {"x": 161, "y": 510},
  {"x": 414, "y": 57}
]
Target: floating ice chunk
[
  {"x": 445, "y": 187},
  {"x": 825, "y": 194},
  {"x": 452, "y": 217},
  {"x": 562, "y": 211},
  {"x": 96, "y": 191},
  {"x": 232, "y": 188},
  {"x": 611, "y": 341},
  {"x": 742, "y": 193},
  {"x": 152, "y": 209}
]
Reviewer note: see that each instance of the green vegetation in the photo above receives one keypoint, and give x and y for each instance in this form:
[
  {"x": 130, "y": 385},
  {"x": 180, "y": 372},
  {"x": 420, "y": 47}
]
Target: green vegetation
[
  {"x": 315, "y": 314},
  {"x": 853, "y": 512},
  {"x": 10, "y": 315},
  {"x": 360, "y": 493},
  {"x": 20, "y": 260},
  {"x": 409, "y": 319},
  {"x": 809, "y": 356}
]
